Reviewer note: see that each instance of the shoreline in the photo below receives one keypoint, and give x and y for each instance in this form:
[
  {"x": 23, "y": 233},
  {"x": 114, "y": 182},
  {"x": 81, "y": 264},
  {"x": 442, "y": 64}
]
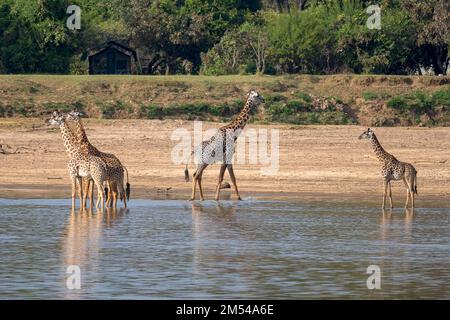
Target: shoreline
[
  {"x": 43, "y": 193},
  {"x": 316, "y": 163}
]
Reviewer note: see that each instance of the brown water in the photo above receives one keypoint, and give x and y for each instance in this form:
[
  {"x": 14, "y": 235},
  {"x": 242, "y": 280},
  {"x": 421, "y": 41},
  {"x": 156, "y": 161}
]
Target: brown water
[{"x": 248, "y": 249}]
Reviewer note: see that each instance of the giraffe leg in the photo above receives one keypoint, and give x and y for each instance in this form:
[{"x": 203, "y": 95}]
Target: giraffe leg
[
  {"x": 221, "y": 173},
  {"x": 100, "y": 194},
  {"x": 91, "y": 192},
  {"x": 412, "y": 188},
  {"x": 86, "y": 186},
  {"x": 202, "y": 198},
  {"x": 108, "y": 197},
  {"x": 407, "y": 199},
  {"x": 384, "y": 193},
  {"x": 233, "y": 180},
  {"x": 98, "y": 199},
  {"x": 408, "y": 191},
  {"x": 199, "y": 180},
  {"x": 195, "y": 179},
  {"x": 74, "y": 191},
  {"x": 80, "y": 190},
  {"x": 390, "y": 195},
  {"x": 194, "y": 186},
  {"x": 116, "y": 194}
]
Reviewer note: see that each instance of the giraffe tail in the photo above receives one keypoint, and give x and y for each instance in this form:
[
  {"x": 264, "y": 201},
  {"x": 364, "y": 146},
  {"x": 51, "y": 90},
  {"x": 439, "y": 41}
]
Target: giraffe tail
[
  {"x": 186, "y": 170},
  {"x": 186, "y": 174},
  {"x": 128, "y": 186}
]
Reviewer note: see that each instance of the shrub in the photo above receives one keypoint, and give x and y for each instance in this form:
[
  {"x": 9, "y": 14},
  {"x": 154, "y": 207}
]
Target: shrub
[
  {"x": 369, "y": 95},
  {"x": 442, "y": 98},
  {"x": 276, "y": 97},
  {"x": 398, "y": 103},
  {"x": 109, "y": 110},
  {"x": 304, "y": 96},
  {"x": 63, "y": 107},
  {"x": 297, "y": 105},
  {"x": 152, "y": 111},
  {"x": 417, "y": 102}
]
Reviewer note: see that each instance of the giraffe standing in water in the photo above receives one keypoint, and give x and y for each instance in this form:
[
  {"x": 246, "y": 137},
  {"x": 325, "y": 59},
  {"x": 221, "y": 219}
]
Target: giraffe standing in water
[
  {"x": 115, "y": 169},
  {"x": 220, "y": 148},
  {"x": 81, "y": 164},
  {"x": 393, "y": 169}
]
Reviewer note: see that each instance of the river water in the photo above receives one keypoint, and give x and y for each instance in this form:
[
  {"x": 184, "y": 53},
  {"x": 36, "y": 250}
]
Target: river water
[{"x": 163, "y": 249}]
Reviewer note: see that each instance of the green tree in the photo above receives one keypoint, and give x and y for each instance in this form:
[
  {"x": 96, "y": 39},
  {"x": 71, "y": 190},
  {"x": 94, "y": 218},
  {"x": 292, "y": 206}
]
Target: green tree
[
  {"x": 169, "y": 37},
  {"x": 389, "y": 50},
  {"x": 432, "y": 21},
  {"x": 34, "y": 37},
  {"x": 304, "y": 41},
  {"x": 225, "y": 14}
]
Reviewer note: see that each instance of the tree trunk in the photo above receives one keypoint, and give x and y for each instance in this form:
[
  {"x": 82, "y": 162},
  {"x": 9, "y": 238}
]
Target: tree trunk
[
  {"x": 279, "y": 7},
  {"x": 439, "y": 59},
  {"x": 282, "y": 4},
  {"x": 301, "y": 4}
]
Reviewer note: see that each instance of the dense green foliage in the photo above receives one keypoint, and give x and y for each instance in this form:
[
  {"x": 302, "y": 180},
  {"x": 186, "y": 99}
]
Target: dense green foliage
[{"x": 216, "y": 37}]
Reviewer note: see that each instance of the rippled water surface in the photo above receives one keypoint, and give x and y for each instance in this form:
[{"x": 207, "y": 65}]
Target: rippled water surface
[{"x": 248, "y": 249}]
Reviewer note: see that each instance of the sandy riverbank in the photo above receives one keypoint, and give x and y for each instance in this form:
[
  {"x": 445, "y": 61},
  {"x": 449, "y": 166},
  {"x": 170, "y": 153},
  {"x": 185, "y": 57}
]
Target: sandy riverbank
[{"x": 316, "y": 162}]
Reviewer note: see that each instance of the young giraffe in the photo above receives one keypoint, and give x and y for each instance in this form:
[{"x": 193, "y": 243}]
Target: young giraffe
[
  {"x": 220, "y": 148},
  {"x": 81, "y": 164},
  {"x": 115, "y": 169},
  {"x": 392, "y": 169}
]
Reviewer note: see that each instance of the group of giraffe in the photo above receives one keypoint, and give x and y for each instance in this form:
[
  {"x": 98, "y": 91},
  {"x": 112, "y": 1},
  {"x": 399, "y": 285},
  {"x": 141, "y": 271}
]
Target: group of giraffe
[
  {"x": 89, "y": 164},
  {"x": 221, "y": 146}
]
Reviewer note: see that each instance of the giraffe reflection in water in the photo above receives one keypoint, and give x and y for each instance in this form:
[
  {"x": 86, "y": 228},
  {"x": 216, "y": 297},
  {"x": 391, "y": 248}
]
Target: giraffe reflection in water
[{"x": 83, "y": 239}]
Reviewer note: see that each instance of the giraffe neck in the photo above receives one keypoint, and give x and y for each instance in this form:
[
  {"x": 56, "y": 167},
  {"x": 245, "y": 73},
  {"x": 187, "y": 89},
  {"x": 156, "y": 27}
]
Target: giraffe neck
[
  {"x": 70, "y": 141},
  {"x": 378, "y": 149},
  {"x": 241, "y": 120},
  {"x": 82, "y": 138}
]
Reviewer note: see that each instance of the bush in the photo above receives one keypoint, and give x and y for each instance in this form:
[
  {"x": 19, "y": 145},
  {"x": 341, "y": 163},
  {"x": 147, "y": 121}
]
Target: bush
[
  {"x": 304, "y": 96},
  {"x": 398, "y": 103},
  {"x": 417, "y": 102},
  {"x": 442, "y": 98},
  {"x": 276, "y": 97},
  {"x": 63, "y": 107},
  {"x": 297, "y": 105},
  {"x": 78, "y": 66},
  {"x": 369, "y": 95},
  {"x": 109, "y": 110},
  {"x": 151, "y": 111},
  {"x": 190, "y": 111}
]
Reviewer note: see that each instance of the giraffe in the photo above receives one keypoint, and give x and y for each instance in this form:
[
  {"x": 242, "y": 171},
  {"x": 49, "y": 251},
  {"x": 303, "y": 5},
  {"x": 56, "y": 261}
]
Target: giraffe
[
  {"x": 220, "y": 148},
  {"x": 81, "y": 164},
  {"x": 393, "y": 169},
  {"x": 115, "y": 169}
]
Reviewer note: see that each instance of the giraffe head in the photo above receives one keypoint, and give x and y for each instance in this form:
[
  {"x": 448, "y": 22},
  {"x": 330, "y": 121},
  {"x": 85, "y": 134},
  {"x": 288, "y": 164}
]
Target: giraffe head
[
  {"x": 368, "y": 134},
  {"x": 255, "y": 98},
  {"x": 75, "y": 115},
  {"x": 56, "y": 119}
]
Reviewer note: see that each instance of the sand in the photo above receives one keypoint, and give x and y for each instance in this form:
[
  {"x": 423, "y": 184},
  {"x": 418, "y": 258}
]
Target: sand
[{"x": 315, "y": 162}]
